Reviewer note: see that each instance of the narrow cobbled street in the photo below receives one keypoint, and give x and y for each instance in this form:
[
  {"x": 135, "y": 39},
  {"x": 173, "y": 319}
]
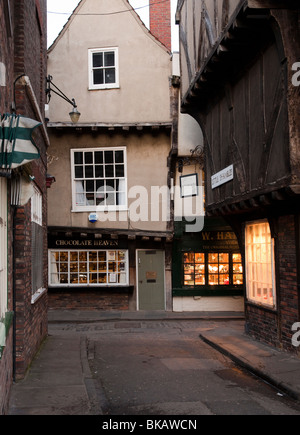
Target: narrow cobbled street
[{"x": 164, "y": 368}]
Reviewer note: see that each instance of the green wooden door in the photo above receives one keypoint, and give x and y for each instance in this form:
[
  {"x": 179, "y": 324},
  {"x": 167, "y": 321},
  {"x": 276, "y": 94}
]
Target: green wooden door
[{"x": 151, "y": 280}]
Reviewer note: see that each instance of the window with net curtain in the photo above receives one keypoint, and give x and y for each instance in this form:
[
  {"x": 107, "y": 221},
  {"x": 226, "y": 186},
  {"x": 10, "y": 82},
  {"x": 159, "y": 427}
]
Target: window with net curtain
[
  {"x": 260, "y": 264},
  {"x": 99, "y": 179}
]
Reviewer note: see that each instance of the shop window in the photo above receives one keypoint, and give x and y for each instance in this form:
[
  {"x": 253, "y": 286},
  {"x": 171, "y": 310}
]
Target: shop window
[
  {"x": 260, "y": 267},
  {"x": 237, "y": 269},
  {"x": 218, "y": 269},
  {"x": 88, "y": 268},
  {"x": 213, "y": 269},
  {"x": 99, "y": 179},
  {"x": 194, "y": 269}
]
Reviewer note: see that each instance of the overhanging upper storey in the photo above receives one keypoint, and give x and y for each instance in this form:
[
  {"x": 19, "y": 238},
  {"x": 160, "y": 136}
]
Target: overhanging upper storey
[{"x": 217, "y": 39}]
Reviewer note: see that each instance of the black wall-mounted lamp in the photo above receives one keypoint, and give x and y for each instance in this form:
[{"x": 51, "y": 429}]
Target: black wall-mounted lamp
[{"x": 51, "y": 87}]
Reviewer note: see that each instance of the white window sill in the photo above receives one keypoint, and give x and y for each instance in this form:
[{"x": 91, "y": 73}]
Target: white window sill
[
  {"x": 37, "y": 295},
  {"x": 103, "y": 88},
  {"x": 99, "y": 210}
]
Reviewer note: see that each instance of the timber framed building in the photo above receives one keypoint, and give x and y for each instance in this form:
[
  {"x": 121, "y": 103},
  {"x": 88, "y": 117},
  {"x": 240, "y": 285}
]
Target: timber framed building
[{"x": 238, "y": 62}]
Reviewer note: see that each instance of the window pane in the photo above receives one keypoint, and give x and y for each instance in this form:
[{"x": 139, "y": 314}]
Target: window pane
[
  {"x": 189, "y": 257},
  {"x": 97, "y": 60},
  {"x": 237, "y": 258},
  {"x": 237, "y": 268},
  {"x": 109, "y": 156},
  {"x": 238, "y": 279},
  {"x": 119, "y": 157},
  {"x": 98, "y": 77},
  {"x": 224, "y": 258},
  {"x": 99, "y": 172},
  {"x": 88, "y": 158},
  {"x": 109, "y": 171},
  {"x": 120, "y": 171},
  {"x": 102, "y": 256},
  {"x": 102, "y": 278},
  {"x": 78, "y": 158},
  {"x": 78, "y": 171},
  {"x": 199, "y": 258},
  {"x": 109, "y": 58},
  {"x": 110, "y": 75},
  {"x": 213, "y": 258},
  {"x": 98, "y": 157},
  {"x": 200, "y": 280},
  {"x": 89, "y": 172},
  {"x": 90, "y": 186},
  {"x": 213, "y": 279},
  {"x": 63, "y": 278},
  {"x": 224, "y": 279}
]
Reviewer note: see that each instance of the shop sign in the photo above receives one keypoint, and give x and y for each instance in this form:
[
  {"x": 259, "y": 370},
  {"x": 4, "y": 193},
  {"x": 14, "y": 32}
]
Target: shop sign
[
  {"x": 222, "y": 177},
  {"x": 86, "y": 244}
]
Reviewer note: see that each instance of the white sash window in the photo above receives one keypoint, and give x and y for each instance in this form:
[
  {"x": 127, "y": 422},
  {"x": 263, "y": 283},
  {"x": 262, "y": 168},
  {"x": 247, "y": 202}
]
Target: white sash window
[
  {"x": 37, "y": 243},
  {"x": 99, "y": 179}
]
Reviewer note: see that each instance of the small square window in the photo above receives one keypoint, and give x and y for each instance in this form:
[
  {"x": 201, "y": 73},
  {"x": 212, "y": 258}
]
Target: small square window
[{"x": 103, "y": 68}]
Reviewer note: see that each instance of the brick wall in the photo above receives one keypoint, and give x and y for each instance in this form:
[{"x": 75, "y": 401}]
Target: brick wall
[
  {"x": 288, "y": 302},
  {"x": 31, "y": 319},
  {"x": 88, "y": 300},
  {"x": 30, "y": 59},
  {"x": 6, "y": 97},
  {"x": 160, "y": 22},
  {"x": 274, "y": 327},
  {"x": 23, "y": 51},
  {"x": 6, "y": 374}
]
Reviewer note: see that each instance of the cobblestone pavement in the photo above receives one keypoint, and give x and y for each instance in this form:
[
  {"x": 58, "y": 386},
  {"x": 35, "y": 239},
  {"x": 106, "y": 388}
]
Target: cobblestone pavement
[{"x": 163, "y": 367}]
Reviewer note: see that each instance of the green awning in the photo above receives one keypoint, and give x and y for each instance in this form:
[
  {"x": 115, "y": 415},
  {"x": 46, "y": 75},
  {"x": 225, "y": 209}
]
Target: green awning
[{"x": 17, "y": 145}]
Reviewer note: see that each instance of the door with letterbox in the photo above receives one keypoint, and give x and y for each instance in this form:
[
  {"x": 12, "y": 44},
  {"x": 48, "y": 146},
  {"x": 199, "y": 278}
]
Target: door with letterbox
[{"x": 151, "y": 280}]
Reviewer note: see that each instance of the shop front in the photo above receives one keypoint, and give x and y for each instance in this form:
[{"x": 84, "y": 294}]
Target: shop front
[
  {"x": 208, "y": 271},
  {"x": 87, "y": 272},
  {"x": 107, "y": 271}
]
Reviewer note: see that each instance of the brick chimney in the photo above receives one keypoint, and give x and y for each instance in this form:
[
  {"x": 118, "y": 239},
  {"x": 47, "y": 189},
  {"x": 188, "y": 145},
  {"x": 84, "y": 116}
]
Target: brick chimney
[{"x": 160, "y": 21}]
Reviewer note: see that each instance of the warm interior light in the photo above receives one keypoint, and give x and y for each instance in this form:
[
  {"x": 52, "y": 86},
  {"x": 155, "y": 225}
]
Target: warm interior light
[{"x": 74, "y": 115}]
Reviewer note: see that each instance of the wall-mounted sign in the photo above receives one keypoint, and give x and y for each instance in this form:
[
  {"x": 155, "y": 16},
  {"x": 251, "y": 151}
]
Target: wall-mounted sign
[
  {"x": 93, "y": 218},
  {"x": 222, "y": 177},
  {"x": 189, "y": 185},
  {"x": 83, "y": 243}
]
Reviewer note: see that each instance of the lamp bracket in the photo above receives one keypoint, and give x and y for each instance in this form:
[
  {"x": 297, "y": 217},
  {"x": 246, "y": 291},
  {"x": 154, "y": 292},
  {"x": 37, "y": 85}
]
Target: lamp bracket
[{"x": 51, "y": 87}]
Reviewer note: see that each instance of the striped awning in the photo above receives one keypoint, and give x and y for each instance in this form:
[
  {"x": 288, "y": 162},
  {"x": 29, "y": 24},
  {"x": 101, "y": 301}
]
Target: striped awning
[{"x": 17, "y": 144}]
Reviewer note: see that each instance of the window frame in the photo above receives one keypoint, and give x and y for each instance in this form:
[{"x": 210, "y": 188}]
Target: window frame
[
  {"x": 92, "y": 85},
  {"x": 37, "y": 244},
  {"x": 250, "y": 298},
  {"x": 101, "y": 208},
  {"x": 88, "y": 271},
  {"x": 207, "y": 286}
]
